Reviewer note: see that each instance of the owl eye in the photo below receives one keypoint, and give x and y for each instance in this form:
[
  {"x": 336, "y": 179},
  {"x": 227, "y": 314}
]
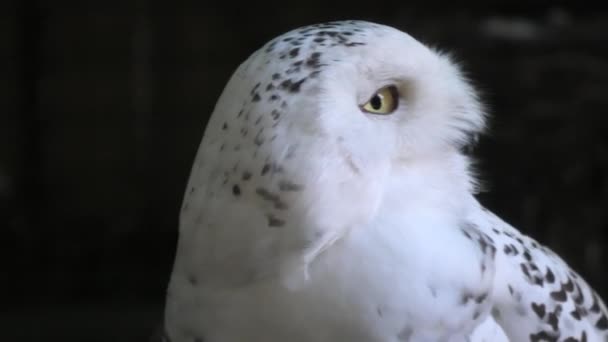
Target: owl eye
[{"x": 384, "y": 101}]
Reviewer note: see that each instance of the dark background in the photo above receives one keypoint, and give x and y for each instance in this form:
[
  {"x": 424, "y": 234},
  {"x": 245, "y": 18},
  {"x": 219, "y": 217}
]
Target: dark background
[{"x": 103, "y": 105}]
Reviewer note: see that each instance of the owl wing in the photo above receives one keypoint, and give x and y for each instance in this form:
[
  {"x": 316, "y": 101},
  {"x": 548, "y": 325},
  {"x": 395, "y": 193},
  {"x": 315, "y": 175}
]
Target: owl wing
[{"x": 537, "y": 296}]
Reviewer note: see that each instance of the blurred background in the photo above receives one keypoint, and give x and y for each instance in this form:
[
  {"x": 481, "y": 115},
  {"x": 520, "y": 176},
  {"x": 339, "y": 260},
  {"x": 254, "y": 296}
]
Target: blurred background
[{"x": 103, "y": 105}]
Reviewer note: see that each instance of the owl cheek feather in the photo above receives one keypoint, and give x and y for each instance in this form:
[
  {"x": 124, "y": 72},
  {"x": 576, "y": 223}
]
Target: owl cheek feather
[
  {"x": 348, "y": 161},
  {"x": 352, "y": 198}
]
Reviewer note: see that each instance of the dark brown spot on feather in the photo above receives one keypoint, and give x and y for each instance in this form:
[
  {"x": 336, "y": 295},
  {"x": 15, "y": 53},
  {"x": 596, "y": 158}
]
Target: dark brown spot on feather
[
  {"x": 481, "y": 298},
  {"x": 289, "y": 186},
  {"x": 271, "y": 197},
  {"x": 273, "y": 221},
  {"x": 542, "y": 336},
  {"x": 524, "y": 268},
  {"x": 568, "y": 286},
  {"x": 465, "y": 298},
  {"x": 559, "y": 296},
  {"x": 539, "y": 309},
  {"x": 602, "y": 323},
  {"x": 549, "y": 276},
  {"x": 246, "y": 175},
  {"x": 575, "y": 314},
  {"x": 553, "y": 317}
]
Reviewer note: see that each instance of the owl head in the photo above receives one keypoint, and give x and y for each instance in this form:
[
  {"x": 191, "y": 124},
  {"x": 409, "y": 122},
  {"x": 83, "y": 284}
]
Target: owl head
[{"x": 313, "y": 130}]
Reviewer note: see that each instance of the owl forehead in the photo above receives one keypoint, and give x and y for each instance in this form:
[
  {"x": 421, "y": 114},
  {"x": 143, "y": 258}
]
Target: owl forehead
[
  {"x": 298, "y": 57},
  {"x": 325, "y": 36}
]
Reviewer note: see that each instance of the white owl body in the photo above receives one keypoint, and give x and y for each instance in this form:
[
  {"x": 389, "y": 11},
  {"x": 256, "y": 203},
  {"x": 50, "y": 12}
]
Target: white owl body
[
  {"x": 381, "y": 281},
  {"x": 314, "y": 214}
]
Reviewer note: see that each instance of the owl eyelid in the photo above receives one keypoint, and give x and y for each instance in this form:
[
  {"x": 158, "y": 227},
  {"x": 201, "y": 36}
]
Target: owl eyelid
[{"x": 394, "y": 90}]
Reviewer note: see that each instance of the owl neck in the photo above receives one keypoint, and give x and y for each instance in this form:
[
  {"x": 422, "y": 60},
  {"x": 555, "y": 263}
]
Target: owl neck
[{"x": 443, "y": 181}]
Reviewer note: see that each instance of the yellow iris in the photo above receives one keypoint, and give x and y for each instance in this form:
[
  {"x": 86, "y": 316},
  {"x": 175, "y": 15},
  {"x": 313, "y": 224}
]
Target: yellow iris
[{"x": 384, "y": 101}]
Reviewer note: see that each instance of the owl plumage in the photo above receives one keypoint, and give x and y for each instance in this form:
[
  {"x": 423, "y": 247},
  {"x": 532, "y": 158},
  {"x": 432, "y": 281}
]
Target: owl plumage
[{"x": 330, "y": 200}]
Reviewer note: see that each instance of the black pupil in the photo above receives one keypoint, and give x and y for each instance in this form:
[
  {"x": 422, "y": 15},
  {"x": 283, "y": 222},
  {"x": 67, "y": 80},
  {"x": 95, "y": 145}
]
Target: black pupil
[{"x": 376, "y": 102}]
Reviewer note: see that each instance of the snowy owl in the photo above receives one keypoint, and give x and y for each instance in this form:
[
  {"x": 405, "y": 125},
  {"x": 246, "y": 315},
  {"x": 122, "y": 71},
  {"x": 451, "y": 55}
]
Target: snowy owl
[{"x": 331, "y": 200}]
